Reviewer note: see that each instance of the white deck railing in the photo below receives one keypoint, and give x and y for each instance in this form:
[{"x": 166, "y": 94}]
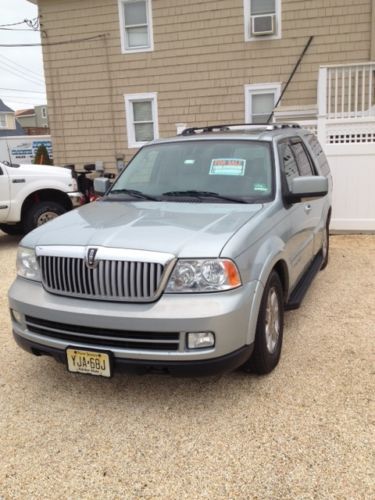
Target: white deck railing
[{"x": 347, "y": 91}]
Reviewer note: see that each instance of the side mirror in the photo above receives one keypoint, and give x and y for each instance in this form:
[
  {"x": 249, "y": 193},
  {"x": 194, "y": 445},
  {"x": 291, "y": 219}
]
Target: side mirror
[
  {"x": 308, "y": 187},
  {"x": 101, "y": 185}
]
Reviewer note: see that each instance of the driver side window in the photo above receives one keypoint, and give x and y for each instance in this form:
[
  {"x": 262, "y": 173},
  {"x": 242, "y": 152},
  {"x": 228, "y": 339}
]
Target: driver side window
[{"x": 288, "y": 163}]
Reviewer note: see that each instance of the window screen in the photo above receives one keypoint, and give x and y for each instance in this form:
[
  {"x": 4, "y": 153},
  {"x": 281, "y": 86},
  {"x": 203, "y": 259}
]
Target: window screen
[
  {"x": 262, "y": 7},
  {"x": 143, "y": 121},
  {"x": 136, "y": 24},
  {"x": 261, "y": 106}
]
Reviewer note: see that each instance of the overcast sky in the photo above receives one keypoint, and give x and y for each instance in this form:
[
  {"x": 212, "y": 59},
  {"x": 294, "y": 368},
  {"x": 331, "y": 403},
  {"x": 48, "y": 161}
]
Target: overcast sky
[{"x": 21, "y": 68}]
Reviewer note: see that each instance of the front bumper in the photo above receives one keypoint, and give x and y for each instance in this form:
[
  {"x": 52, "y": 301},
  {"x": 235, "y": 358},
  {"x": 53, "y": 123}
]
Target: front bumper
[
  {"x": 77, "y": 199},
  {"x": 198, "y": 368},
  {"x": 229, "y": 315}
]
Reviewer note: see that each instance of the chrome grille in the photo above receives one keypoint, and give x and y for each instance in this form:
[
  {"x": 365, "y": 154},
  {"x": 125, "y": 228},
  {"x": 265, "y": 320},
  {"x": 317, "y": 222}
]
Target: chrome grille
[
  {"x": 103, "y": 337},
  {"x": 110, "y": 280}
]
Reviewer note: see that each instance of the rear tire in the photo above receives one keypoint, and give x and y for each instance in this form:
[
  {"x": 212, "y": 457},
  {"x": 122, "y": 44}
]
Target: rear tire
[
  {"x": 12, "y": 229},
  {"x": 40, "y": 213},
  {"x": 270, "y": 327},
  {"x": 325, "y": 247}
]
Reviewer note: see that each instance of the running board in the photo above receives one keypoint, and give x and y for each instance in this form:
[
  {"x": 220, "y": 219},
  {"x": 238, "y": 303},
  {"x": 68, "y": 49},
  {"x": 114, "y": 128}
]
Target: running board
[{"x": 300, "y": 290}]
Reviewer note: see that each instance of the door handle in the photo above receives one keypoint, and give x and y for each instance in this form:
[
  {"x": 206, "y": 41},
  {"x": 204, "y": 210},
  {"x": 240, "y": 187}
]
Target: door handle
[{"x": 307, "y": 208}]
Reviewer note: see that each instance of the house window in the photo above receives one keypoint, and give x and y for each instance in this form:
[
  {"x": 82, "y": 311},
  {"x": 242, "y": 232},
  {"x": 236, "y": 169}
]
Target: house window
[
  {"x": 136, "y": 25},
  {"x": 262, "y": 19},
  {"x": 141, "y": 119},
  {"x": 3, "y": 120},
  {"x": 260, "y": 101}
]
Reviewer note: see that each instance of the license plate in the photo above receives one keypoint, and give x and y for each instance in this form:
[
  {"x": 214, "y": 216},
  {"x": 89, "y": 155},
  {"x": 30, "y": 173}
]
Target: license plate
[{"x": 89, "y": 362}]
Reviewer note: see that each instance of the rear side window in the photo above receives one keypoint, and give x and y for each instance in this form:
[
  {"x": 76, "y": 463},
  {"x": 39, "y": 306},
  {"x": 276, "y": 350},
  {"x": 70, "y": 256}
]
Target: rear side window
[{"x": 319, "y": 155}]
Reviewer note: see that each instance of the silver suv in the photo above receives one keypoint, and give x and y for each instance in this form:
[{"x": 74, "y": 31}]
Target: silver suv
[{"x": 189, "y": 260}]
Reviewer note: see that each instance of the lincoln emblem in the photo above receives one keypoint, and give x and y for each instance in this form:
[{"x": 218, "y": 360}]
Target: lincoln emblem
[{"x": 90, "y": 258}]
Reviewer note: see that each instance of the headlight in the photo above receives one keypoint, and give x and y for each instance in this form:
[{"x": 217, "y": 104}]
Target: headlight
[
  {"x": 27, "y": 264},
  {"x": 203, "y": 275}
]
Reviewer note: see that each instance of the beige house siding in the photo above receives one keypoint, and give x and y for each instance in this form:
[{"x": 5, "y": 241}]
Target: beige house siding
[{"x": 199, "y": 66}]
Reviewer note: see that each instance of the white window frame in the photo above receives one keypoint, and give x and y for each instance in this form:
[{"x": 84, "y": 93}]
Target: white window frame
[
  {"x": 129, "y": 99},
  {"x": 3, "y": 124},
  {"x": 259, "y": 88},
  {"x": 44, "y": 112},
  {"x": 121, "y": 12},
  {"x": 247, "y": 23}
]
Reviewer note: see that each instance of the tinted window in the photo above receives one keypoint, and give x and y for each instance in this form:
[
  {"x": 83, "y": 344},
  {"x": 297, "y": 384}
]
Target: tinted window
[
  {"x": 288, "y": 163},
  {"x": 318, "y": 154},
  {"x": 303, "y": 162}
]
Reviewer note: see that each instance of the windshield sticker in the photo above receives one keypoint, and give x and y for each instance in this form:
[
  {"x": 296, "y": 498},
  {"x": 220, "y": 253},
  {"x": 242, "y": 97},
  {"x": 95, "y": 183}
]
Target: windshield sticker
[
  {"x": 227, "y": 166},
  {"x": 260, "y": 187},
  {"x": 189, "y": 162}
]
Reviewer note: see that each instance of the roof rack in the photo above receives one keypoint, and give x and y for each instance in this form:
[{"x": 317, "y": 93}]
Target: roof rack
[{"x": 228, "y": 126}]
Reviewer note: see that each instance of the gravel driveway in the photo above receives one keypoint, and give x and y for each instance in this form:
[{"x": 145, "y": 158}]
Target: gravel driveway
[{"x": 305, "y": 431}]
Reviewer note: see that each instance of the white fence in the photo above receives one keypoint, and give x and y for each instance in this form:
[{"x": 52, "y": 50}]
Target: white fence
[
  {"x": 346, "y": 130},
  {"x": 353, "y": 172}
]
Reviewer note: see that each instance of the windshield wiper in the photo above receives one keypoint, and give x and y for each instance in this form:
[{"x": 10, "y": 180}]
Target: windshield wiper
[
  {"x": 135, "y": 193},
  {"x": 204, "y": 194}
]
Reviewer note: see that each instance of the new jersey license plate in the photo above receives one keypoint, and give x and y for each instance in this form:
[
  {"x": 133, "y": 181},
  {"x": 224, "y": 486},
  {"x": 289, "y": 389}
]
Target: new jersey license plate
[{"x": 89, "y": 362}]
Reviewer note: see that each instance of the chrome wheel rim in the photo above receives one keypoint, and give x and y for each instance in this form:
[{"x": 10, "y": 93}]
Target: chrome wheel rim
[
  {"x": 272, "y": 320},
  {"x": 45, "y": 217}
]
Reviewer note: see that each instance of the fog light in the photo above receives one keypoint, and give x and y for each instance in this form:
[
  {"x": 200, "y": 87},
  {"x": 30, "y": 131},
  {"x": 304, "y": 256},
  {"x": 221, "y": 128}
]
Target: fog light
[
  {"x": 200, "y": 340},
  {"x": 16, "y": 316}
]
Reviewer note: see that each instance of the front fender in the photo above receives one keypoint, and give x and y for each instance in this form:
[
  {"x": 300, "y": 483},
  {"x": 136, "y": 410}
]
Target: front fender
[
  {"x": 19, "y": 193},
  {"x": 256, "y": 265}
]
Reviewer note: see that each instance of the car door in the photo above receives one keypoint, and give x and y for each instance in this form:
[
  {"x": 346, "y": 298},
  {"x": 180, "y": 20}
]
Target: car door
[
  {"x": 4, "y": 193},
  {"x": 314, "y": 207},
  {"x": 300, "y": 240}
]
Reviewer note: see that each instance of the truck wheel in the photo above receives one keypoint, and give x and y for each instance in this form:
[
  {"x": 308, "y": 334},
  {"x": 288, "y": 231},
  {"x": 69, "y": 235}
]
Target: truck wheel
[
  {"x": 40, "y": 213},
  {"x": 12, "y": 229},
  {"x": 325, "y": 247},
  {"x": 270, "y": 326}
]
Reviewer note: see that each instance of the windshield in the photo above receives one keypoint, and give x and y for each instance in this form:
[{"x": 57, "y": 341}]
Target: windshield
[{"x": 218, "y": 171}]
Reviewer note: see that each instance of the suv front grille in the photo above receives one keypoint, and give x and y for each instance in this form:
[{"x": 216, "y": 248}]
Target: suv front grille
[
  {"x": 103, "y": 337},
  {"x": 113, "y": 280}
]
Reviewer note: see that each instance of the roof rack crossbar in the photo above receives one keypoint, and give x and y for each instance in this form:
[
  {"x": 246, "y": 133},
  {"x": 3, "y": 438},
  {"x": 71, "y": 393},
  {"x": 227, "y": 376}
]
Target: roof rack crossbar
[{"x": 227, "y": 126}]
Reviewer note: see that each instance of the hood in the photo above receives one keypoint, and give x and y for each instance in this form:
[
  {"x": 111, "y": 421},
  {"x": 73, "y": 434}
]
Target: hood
[
  {"x": 183, "y": 229},
  {"x": 30, "y": 170}
]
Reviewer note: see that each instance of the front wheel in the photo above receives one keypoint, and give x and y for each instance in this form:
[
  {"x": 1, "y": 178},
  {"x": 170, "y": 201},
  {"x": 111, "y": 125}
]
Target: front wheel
[
  {"x": 12, "y": 229},
  {"x": 270, "y": 327},
  {"x": 41, "y": 213}
]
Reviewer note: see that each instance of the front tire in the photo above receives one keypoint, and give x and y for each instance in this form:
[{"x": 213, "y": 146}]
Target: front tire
[
  {"x": 12, "y": 229},
  {"x": 41, "y": 213},
  {"x": 270, "y": 327}
]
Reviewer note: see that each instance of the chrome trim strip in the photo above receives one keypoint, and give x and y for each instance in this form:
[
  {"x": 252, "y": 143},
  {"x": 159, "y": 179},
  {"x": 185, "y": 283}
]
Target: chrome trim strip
[
  {"x": 104, "y": 253},
  {"x": 92, "y": 337}
]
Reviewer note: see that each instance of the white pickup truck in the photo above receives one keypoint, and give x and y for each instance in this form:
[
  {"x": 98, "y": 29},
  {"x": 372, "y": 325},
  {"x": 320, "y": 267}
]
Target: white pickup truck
[{"x": 31, "y": 195}]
